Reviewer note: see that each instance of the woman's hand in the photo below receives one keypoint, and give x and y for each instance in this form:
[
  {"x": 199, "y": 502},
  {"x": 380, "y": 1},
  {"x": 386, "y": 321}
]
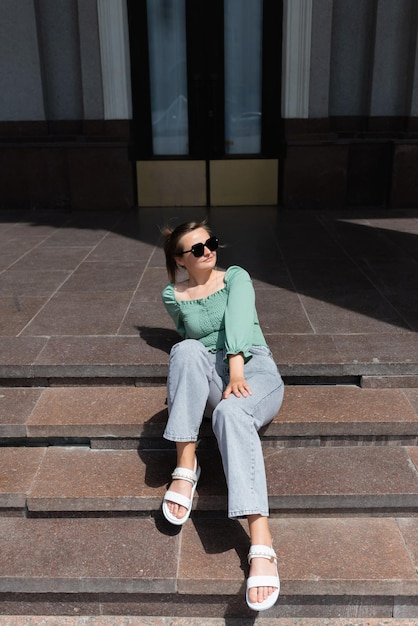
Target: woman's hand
[{"x": 238, "y": 387}]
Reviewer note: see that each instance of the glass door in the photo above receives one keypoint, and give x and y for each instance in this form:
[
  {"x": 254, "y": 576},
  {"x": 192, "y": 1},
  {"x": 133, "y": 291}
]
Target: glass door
[
  {"x": 206, "y": 100},
  {"x": 168, "y": 76},
  {"x": 243, "y": 71}
]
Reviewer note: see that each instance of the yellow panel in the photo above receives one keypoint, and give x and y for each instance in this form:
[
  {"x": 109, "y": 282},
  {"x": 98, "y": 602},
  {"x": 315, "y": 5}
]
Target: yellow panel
[
  {"x": 244, "y": 182},
  {"x": 171, "y": 183}
]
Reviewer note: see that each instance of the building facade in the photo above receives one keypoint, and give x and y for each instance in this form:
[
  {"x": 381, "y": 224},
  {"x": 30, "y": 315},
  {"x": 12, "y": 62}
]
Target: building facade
[{"x": 308, "y": 104}]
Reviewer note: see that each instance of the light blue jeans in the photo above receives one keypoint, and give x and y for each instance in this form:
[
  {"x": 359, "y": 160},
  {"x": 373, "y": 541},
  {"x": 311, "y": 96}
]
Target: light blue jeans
[{"x": 196, "y": 380}]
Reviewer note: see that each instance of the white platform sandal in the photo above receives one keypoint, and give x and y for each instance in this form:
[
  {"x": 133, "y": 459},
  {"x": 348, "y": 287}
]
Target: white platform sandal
[
  {"x": 181, "y": 473},
  {"x": 263, "y": 552}
]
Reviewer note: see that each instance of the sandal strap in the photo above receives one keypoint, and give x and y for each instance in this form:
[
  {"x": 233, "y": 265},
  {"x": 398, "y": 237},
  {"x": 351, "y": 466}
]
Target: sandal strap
[
  {"x": 181, "y": 473},
  {"x": 263, "y": 581},
  {"x": 177, "y": 498},
  {"x": 264, "y": 552}
]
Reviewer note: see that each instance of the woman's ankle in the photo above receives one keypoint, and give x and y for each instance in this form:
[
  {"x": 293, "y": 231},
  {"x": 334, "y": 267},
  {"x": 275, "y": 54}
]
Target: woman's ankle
[
  {"x": 259, "y": 530},
  {"x": 186, "y": 454}
]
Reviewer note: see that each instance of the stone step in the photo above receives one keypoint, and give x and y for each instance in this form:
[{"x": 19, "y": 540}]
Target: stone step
[
  {"x": 301, "y": 481},
  {"x": 103, "y": 416},
  {"x": 119, "y": 620},
  {"x": 51, "y": 355},
  {"x": 357, "y": 567}
]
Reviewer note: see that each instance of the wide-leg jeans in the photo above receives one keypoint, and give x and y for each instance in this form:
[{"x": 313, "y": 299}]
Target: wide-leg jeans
[{"x": 196, "y": 380}]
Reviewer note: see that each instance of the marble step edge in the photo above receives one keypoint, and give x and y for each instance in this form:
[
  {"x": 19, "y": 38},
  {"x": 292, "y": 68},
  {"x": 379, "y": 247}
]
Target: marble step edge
[
  {"x": 348, "y": 370},
  {"x": 371, "y": 381},
  {"x": 123, "y": 620}
]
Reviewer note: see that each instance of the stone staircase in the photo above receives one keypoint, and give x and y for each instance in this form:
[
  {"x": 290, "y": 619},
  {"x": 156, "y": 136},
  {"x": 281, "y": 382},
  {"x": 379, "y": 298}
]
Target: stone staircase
[{"x": 83, "y": 469}]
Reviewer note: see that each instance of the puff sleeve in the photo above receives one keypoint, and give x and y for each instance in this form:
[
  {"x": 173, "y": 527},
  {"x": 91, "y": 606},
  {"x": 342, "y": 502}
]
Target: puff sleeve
[
  {"x": 173, "y": 309},
  {"x": 240, "y": 312}
]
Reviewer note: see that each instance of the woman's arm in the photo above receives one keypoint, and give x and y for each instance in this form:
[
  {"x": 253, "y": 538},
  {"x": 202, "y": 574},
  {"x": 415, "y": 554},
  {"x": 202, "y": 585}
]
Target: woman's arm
[
  {"x": 237, "y": 384},
  {"x": 239, "y": 313},
  {"x": 239, "y": 323},
  {"x": 173, "y": 309}
]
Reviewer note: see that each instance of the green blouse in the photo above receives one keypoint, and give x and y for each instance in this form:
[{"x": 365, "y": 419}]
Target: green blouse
[{"x": 227, "y": 319}]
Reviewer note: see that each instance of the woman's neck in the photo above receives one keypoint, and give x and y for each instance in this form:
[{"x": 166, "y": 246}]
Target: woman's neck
[
  {"x": 200, "y": 285},
  {"x": 201, "y": 279}
]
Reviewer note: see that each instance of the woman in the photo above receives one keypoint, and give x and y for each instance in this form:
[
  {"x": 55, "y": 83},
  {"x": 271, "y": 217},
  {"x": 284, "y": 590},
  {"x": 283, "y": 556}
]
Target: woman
[{"x": 223, "y": 362}]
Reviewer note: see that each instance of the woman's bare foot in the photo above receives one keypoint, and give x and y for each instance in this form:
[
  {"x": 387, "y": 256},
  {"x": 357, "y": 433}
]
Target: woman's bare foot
[
  {"x": 187, "y": 467},
  {"x": 184, "y": 488},
  {"x": 259, "y": 566}
]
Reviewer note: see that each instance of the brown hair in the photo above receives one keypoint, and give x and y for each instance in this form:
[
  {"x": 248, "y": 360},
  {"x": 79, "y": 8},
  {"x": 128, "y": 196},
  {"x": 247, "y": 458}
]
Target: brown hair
[{"x": 171, "y": 244}]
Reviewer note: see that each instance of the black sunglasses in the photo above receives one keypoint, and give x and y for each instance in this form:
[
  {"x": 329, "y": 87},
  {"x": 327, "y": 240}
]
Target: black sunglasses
[{"x": 198, "y": 249}]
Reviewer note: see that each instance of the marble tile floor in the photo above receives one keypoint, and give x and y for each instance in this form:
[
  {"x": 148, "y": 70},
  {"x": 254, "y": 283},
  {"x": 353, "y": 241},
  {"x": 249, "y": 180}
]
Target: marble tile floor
[
  {"x": 337, "y": 292},
  {"x": 22, "y": 620}
]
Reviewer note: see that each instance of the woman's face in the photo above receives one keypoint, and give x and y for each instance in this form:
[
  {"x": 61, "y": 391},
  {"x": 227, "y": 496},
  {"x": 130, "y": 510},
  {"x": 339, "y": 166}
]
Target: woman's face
[{"x": 188, "y": 260}]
